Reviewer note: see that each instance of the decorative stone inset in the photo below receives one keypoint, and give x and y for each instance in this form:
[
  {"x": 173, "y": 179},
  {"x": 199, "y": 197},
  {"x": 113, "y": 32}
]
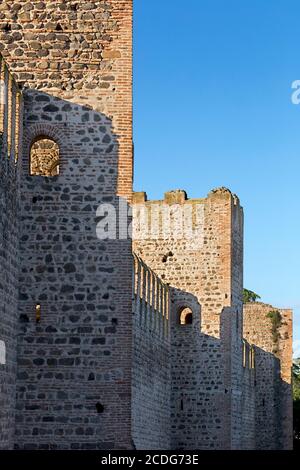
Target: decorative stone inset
[{"x": 44, "y": 158}]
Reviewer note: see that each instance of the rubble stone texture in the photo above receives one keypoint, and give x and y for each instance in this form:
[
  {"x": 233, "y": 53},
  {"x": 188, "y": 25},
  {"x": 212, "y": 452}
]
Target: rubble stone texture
[
  {"x": 10, "y": 147},
  {"x": 94, "y": 350},
  {"x": 74, "y": 63},
  {"x": 273, "y": 362},
  {"x": 226, "y": 391}
]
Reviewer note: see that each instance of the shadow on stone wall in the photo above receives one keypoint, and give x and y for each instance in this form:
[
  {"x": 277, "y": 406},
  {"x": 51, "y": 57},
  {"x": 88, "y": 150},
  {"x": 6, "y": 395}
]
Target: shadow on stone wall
[
  {"x": 273, "y": 403},
  {"x": 9, "y": 270},
  {"x": 73, "y": 384},
  {"x": 201, "y": 380},
  {"x": 212, "y": 398},
  {"x": 74, "y": 365}
]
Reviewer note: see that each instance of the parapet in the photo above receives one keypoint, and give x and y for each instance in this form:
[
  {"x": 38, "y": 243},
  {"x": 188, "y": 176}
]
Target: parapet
[
  {"x": 151, "y": 299},
  {"x": 179, "y": 196}
]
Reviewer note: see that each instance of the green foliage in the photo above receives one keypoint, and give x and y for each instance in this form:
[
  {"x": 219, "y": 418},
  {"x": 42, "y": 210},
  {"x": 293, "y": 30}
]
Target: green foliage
[
  {"x": 296, "y": 382},
  {"x": 276, "y": 321},
  {"x": 250, "y": 296}
]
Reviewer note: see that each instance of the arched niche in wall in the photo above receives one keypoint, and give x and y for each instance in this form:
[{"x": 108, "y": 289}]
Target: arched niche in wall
[
  {"x": 185, "y": 316},
  {"x": 44, "y": 157}
]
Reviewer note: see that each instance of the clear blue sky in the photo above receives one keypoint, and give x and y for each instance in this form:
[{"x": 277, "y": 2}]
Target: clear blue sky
[{"x": 212, "y": 107}]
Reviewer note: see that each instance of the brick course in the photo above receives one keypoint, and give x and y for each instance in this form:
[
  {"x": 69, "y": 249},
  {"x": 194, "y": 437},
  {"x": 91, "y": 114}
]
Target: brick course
[
  {"x": 74, "y": 62},
  {"x": 96, "y": 358}
]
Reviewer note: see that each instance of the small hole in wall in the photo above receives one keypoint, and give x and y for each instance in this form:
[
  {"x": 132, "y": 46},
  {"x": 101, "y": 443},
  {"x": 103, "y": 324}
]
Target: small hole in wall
[
  {"x": 114, "y": 321},
  {"x": 181, "y": 405},
  {"x": 74, "y": 7},
  {"x": 34, "y": 199},
  {"x": 99, "y": 408},
  {"x": 168, "y": 255},
  {"x": 7, "y": 28},
  {"x": 58, "y": 27}
]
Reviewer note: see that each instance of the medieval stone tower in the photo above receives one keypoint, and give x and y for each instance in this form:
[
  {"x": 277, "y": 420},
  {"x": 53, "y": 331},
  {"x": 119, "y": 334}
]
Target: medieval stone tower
[
  {"x": 73, "y": 60},
  {"x": 225, "y": 381},
  {"x": 206, "y": 279},
  {"x": 107, "y": 343}
]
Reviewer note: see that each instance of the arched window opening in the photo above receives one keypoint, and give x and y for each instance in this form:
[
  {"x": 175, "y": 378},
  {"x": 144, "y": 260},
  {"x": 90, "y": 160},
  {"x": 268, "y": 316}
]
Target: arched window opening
[
  {"x": 186, "y": 316},
  {"x": 38, "y": 313},
  {"x": 252, "y": 357},
  {"x": 244, "y": 354},
  {"x": 44, "y": 157}
]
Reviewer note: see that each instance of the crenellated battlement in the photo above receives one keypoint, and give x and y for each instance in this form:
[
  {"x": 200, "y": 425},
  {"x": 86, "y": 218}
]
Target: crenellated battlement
[
  {"x": 151, "y": 300},
  {"x": 180, "y": 196},
  {"x": 11, "y": 113}
]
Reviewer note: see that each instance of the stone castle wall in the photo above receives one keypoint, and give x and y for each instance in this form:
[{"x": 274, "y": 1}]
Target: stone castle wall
[
  {"x": 10, "y": 141},
  {"x": 151, "y": 367},
  {"x": 78, "y": 51},
  {"x": 201, "y": 266},
  {"x": 74, "y": 61},
  {"x": 273, "y": 366},
  {"x": 247, "y": 397},
  {"x": 234, "y": 328},
  {"x": 188, "y": 397},
  {"x": 95, "y": 371}
]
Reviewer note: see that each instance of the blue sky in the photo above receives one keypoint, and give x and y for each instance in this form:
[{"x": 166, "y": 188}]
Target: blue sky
[{"x": 212, "y": 107}]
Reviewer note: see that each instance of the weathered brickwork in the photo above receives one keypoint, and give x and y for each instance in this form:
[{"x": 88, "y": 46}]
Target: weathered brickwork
[
  {"x": 226, "y": 392},
  {"x": 79, "y": 51},
  {"x": 74, "y": 61},
  {"x": 105, "y": 343},
  {"x": 151, "y": 368},
  {"x": 200, "y": 267},
  {"x": 10, "y": 138},
  {"x": 273, "y": 402}
]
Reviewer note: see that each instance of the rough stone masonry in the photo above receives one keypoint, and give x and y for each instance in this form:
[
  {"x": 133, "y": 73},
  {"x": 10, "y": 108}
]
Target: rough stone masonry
[
  {"x": 105, "y": 344},
  {"x": 73, "y": 61}
]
